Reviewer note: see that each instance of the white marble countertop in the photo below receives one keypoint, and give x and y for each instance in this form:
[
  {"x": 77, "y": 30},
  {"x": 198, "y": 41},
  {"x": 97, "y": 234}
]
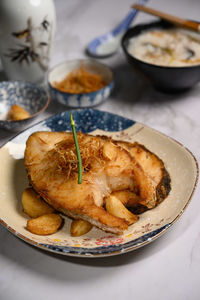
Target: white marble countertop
[{"x": 168, "y": 268}]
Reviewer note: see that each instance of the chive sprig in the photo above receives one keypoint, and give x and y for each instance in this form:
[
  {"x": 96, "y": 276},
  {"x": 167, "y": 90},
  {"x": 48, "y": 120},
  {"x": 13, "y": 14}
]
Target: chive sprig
[{"x": 77, "y": 151}]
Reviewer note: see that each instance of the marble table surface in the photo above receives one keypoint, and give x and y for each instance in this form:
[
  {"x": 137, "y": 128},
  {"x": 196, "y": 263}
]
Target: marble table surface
[{"x": 168, "y": 268}]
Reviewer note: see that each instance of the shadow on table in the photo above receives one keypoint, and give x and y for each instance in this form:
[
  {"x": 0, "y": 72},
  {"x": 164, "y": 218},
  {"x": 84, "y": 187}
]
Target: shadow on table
[
  {"x": 130, "y": 87},
  {"x": 3, "y": 76},
  {"x": 5, "y": 136},
  {"x": 70, "y": 269}
]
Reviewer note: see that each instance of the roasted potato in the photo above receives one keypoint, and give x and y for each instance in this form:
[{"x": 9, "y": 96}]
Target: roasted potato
[
  {"x": 80, "y": 227},
  {"x": 115, "y": 207},
  {"x": 17, "y": 113},
  {"x": 33, "y": 205},
  {"x": 128, "y": 198},
  {"x": 45, "y": 225},
  {"x": 131, "y": 200}
]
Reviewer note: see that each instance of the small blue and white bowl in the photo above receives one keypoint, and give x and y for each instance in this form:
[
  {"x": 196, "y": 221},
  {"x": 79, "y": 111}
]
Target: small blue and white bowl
[
  {"x": 32, "y": 98},
  {"x": 59, "y": 72}
]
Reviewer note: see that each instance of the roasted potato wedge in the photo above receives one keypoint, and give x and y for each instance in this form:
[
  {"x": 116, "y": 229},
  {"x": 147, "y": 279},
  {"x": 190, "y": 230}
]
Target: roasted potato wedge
[
  {"x": 45, "y": 225},
  {"x": 33, "y": 205},
  {"x": 17, "y": 113},
  {"x": 80, "y": 227},
  {"x": 131, "y": 200},
  {"x": 115, "y": 207},
  {"x": 127, "y": 198}
]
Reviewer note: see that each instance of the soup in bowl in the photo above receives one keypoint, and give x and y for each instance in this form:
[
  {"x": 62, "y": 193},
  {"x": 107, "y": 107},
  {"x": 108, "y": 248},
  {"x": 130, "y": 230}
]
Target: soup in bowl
[{"x": 168, "y": 56}]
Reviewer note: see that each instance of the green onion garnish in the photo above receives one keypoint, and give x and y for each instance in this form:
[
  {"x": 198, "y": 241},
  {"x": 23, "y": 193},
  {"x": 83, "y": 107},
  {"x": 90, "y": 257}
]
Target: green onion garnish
[{"x": 77, "y": 151}]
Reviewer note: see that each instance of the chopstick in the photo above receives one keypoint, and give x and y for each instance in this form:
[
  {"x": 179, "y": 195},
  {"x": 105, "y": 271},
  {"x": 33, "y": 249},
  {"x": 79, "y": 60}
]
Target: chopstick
[{"x": 172, "y": 19}]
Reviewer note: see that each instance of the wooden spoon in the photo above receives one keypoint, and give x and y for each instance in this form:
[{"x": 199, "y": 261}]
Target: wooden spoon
[{"x": 172, "y": 19}]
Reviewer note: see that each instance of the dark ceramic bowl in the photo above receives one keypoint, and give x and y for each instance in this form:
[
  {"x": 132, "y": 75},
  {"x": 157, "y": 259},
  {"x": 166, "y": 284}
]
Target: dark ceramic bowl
[
  {"x": 166, "y": 79},
  {"x": 32, "y": 98}
]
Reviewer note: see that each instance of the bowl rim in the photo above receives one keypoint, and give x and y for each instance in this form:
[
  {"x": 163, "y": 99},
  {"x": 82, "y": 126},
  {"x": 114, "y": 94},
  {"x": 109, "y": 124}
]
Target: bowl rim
[
  {"x": 33, "y": 115},
  {"x": 111, "y": 81},
  {"x": 153, "y": 24}
]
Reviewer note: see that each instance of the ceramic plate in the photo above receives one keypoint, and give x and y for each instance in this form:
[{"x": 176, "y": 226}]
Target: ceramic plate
[{"x": 179, "y": 161}]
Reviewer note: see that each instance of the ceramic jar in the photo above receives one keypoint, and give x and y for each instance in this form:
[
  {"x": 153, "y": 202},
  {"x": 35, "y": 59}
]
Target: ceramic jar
[{"x": 26, "y": 35}]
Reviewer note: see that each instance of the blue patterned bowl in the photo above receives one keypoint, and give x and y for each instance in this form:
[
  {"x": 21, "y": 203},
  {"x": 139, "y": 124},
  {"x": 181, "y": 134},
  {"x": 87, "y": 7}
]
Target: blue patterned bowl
[
  {"x": 32, "y": 98},
  {"x": 59, "y": 72}
]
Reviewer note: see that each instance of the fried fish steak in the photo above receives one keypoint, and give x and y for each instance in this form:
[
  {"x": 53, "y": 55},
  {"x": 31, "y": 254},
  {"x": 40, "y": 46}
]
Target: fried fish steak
[
  {"x": 108, "y": 167},
  {"x": 51, "y": 163}
]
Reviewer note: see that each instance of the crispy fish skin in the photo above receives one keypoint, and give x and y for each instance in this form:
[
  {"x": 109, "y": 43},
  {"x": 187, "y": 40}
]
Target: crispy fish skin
[{"x": 154, "y": 168}]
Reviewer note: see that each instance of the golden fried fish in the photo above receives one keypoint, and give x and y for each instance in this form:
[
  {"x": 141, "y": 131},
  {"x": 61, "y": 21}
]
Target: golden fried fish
[{"x": 108, "y": 167}]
